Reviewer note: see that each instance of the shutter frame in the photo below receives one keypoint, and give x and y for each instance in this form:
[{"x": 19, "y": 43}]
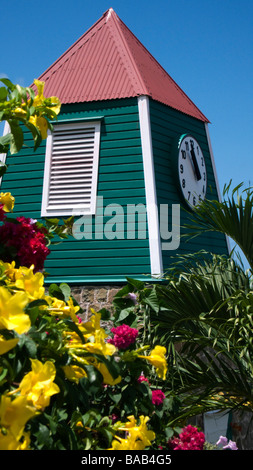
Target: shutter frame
[{"x": 71, "y": 169}]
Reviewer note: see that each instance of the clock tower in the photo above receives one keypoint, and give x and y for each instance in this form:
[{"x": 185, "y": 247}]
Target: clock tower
[{"x": 127, "y": 140}]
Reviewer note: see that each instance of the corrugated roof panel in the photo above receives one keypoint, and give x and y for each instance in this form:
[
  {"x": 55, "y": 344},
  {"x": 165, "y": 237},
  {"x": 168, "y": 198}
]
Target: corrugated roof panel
[{"x": 109, "y": 62}]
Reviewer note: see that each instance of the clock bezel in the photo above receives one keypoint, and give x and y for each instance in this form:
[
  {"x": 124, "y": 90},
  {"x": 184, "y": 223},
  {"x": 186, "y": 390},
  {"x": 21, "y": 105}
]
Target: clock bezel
[{"x": 176, "y": 160}]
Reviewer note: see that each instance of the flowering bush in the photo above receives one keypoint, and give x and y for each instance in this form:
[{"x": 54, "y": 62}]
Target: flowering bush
[
  {"x": 61, "y": 377},
  {"x": 21, "y": 105}
]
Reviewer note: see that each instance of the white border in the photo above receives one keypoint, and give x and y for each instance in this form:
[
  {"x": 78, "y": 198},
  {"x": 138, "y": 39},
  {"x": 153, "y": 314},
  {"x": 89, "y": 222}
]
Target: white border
[{"x": 150, "y": 187}]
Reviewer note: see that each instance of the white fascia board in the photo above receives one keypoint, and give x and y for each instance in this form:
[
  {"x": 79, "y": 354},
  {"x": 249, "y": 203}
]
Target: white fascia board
[
  {"x": 150, "y": 188},
  {"x": 215, "y": 175},
  {"x": 3, "y": 155}
]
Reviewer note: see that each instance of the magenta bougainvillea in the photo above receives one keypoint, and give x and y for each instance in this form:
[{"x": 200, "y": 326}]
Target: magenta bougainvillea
[
  {"x": 123, "y": 337},
  {"x": 189, "y": 439},
  {"x": 157, "y": 397},
  {"x": 25, "y": 241}
]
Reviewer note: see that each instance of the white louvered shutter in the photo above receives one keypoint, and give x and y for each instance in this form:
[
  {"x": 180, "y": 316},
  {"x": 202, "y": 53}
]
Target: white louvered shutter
[{"x": 70, "y": 179}]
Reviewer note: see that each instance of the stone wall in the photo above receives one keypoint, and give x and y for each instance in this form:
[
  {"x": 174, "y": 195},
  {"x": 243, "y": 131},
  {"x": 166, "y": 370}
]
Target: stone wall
[{"x": 95, "y": 297}]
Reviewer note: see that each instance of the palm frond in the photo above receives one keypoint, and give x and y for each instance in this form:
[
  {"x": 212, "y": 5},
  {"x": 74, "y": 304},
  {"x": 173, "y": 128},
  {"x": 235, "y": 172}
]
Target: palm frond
[{"x": 233, "y": 217}]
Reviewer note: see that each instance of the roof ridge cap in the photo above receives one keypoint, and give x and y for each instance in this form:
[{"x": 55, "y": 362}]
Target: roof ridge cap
[{"x": 117, "y": 22}]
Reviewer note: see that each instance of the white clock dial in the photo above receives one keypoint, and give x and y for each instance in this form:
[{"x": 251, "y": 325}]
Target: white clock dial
[{"x": 191, "y": 170}]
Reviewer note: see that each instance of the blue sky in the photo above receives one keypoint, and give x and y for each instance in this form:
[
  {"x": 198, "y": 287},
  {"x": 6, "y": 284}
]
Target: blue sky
[{"x": 205, "y": 45}]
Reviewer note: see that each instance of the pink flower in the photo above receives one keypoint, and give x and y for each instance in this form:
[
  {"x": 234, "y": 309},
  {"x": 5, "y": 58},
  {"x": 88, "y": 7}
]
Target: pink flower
[
  {"x": 157, "y": 397},
  {"x": 124, "y": 336},
  {"x": 142, "y": 378},
  {"x": 222, "y": 441},
  {"x": 227, "y": 445},
  {"x": 132, "y": 297},
  {"x": 189, "y": 439}
]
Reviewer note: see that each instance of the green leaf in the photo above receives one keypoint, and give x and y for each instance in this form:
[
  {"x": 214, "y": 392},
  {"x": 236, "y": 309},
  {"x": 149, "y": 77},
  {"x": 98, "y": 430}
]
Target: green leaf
[
  {"x": 151, "y": 298},
  {"x": 17, "y": 137},
  {"x": 138, "y": 285},
  {"x": 125, "y": 313},
  {"x": 66, "y": 291},
  {"x": 7, "y": 83},
  {"x": 3, "y": 93},
  {"x": 22, "y": 92},
  {"x": 29, "y": 344},
  {"x": 55, "y": 291},
  {"x": 94, "y": 379},
  {"x": 3, "y": 167}
]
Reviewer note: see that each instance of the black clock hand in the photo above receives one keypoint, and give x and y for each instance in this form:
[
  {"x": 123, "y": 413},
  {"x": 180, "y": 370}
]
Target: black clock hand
[{"x": 195, "y": 163}]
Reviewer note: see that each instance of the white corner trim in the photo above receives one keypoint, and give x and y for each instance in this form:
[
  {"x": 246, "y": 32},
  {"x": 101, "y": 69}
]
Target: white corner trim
[
  {"x": 150, "y": 187},
  {"x": 215, "y": 175},
  {"x": 213, "y": 162},
  {"x": 3, "y": 155}
]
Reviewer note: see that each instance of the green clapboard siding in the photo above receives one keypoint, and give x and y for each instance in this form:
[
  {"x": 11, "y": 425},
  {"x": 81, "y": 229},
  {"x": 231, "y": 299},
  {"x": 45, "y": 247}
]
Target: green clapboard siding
[
  {"x": 110, "y": 252},
  {"x": 166, "y": 125},
  {"x": 120, "y": 181}
]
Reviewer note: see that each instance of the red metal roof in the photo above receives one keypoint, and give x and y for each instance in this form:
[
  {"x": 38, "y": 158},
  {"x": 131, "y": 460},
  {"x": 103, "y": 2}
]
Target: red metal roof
[{"x": 109, "y": 62}]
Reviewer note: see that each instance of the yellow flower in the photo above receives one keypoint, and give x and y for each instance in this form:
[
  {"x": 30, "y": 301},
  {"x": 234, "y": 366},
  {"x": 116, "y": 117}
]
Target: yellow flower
[
  {"x": 8, "y": 201},
  {"x": 56, "y": 104},
  {"x": 158, "y": 360},
  {"x": 74, "y": 373},
  {"x": 39, "y": 98},
  {"x": 7, "y": 344},
  {"x": 12, "y": 316},
  {"x": 41, "y": 123},
  {"x": 97, "y": 336},
  {"x": 94, "y": 323},
  {"x": 101, "y": 367},
  {"x": 59, "y": 307},
  {"x": 38, "y": 385},
  {"x": 32, "y": 284},
  {"x": 108, "y": 378},
  {"x": 9, "y": 270},
  {"x": 139, "y": 431},
  {"x": 72, "y": 339},
  {"x": 97, "y": 344},
  {"x": 14, "y": 415},
  {"x": 20, "y": 112},
  {"x": 138, "y": 435},
  {"x": 127, "y": 444},
  {"x": 9, "y": 442}
]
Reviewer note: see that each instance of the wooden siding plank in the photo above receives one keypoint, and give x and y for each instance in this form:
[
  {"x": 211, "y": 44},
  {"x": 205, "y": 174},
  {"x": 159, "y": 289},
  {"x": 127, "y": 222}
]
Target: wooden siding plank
[{"x": 102, "y": 270}]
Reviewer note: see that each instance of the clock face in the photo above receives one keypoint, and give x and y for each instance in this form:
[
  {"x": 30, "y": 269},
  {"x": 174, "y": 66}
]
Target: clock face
[{"x": 191, "y": 170}]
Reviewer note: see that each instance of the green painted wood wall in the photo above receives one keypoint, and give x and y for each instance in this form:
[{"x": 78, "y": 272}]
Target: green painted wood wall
[
  {"x": 120, "y": 181},
  {"x": 168, "y": 124}
]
